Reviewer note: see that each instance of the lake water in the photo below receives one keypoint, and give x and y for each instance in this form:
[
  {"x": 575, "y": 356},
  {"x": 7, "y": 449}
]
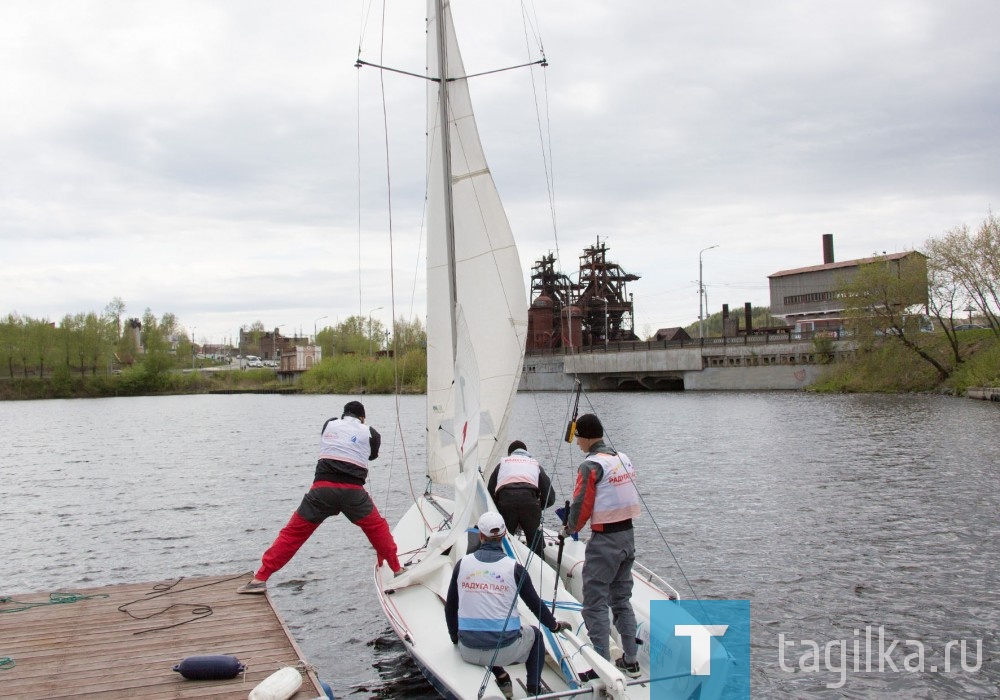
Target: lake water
[{"x": 831, "y": 514}]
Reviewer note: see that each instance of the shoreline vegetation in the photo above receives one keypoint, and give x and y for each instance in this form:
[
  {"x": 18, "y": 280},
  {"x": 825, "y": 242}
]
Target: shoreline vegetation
[
  {"x": 880, "y": 365},
  {"x": 340, "y": 375},
  {"x": 885, "y": 306},
  {"x": 889, "y": 365}
]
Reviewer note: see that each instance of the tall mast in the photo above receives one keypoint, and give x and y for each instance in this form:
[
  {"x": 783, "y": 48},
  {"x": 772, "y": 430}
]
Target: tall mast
[
  {"x": 445, "y": 130},
  {"x": 446, "y": 174}
]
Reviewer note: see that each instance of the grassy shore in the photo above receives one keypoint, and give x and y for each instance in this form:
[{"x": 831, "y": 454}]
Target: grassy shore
[
  {"x": 338, "y": 375},
  {"x": 886, "y": 365},
  {"x": 882, "y": 366}
]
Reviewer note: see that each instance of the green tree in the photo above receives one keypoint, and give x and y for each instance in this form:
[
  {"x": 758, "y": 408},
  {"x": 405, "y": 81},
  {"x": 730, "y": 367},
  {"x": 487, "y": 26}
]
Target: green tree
[
  {"x": 114, "y": 312},
  {"x": 41, "y": 344},
  {"x": 884, "y": 297},
  {"x": 69, "y": 342},
  {"x": 96, "y": 341},
  {"x": 10, "y": 339},
  {"x": 352, "y": 337},
  {"x": 407, "y": 335}
]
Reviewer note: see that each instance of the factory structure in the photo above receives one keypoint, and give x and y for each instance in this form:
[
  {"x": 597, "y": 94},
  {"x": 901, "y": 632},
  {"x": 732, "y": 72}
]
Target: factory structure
[{"x": 594, "y": 310}]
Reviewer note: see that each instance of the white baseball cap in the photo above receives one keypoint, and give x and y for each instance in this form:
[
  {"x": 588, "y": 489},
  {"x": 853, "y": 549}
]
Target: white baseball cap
[{"x": 491, "y": 524}]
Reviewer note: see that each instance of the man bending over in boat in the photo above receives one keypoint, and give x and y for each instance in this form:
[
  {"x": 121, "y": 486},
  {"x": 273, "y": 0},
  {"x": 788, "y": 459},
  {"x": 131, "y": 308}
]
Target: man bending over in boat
[
  {"x": 481, "y": 594},
  {"x": 345, "y": 448},
  {"x": 521, "y": 489},
  {"x": 605, "y": 494}
]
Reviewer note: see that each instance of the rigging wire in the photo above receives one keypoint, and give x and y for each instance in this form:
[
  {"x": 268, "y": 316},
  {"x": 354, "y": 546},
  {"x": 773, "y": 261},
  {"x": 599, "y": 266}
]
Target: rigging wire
[
  {"x": 398, "y": 432},
  {"x": 652, "y": 517}
]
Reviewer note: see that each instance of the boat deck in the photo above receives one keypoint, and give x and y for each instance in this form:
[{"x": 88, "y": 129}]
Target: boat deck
[{"x": 123, "y": 641}]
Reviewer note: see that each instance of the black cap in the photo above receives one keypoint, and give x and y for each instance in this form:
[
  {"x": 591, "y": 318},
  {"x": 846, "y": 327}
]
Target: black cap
[
  {"x": 354, "y": 408},
  {"x": 516, "y": 445},
  {"x": 589, "y": 426}
]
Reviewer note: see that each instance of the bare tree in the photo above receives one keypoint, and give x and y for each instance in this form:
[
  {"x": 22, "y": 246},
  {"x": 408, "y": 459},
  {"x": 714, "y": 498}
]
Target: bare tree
[{"x": 971, "y": 261}]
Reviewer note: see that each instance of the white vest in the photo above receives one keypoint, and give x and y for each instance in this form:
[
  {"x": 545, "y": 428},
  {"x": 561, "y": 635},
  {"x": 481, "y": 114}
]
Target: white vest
[
  {"x": 517, "y": 468},
  {"x": 617, "y": 498},
  {"x": 346, "y": 440},
  {"x": 485, "y": 593}
]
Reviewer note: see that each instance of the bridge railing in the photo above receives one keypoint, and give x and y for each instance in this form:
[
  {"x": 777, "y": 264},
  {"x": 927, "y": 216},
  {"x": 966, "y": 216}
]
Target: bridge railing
[{"x": 646, "y": 345}]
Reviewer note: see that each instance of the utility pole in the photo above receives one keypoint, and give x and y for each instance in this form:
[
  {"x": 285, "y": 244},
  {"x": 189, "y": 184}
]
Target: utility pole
[{"x": 701, "y": 294}]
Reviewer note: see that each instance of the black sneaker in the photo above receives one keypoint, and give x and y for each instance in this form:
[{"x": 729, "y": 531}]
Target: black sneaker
[
  {"x": 631, "y": 670},
  {"x": 532, "y": 690},
  {"x": 588, "y": 675},
  {"x": 505, "y": 685}
]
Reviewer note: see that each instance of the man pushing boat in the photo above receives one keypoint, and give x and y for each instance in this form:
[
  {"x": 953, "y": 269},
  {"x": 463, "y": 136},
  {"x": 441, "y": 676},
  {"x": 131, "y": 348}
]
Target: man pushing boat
[{"x": 346, "y": 447}]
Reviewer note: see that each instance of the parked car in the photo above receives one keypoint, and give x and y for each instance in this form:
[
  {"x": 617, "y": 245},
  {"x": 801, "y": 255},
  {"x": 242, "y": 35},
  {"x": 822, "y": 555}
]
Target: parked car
[{"x": 969, "y": 327}]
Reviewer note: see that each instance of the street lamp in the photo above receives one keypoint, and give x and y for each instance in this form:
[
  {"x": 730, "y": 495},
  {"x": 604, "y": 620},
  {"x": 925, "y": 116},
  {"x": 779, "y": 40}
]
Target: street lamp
[
  {"x": 314, "y": 327},
  {"x": 377, "y": 308},
  {"x": 701, "y": 293}
]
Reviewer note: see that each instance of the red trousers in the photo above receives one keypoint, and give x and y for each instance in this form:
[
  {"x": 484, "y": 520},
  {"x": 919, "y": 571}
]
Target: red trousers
[{"x": 323, "y": 500}]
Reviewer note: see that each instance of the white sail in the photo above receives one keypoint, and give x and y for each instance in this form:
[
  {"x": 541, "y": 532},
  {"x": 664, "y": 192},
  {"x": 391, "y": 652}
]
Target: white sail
[
  {"x": 476, "y": 330},
  {"x": 468, "y": 399}
]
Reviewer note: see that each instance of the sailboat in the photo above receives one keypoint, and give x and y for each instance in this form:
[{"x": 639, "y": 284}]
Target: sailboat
[{"x": 476, "y": 329}]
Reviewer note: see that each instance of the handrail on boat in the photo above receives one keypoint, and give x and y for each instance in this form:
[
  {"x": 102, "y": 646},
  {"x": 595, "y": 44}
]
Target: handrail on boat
[{"x": 656, "y": 579}]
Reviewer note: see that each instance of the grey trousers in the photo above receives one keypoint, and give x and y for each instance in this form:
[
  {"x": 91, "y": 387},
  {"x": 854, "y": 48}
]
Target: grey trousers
[
  {"x": 516, "y": 652},
  {"x": 607, "y": 584}
]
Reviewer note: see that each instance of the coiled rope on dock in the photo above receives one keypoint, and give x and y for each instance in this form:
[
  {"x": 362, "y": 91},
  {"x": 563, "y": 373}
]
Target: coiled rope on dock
[{"x": 58, "y": 598}]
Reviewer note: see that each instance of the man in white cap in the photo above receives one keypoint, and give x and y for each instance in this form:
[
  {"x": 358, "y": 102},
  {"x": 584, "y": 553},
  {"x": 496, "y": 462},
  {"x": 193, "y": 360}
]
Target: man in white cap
[{"x": 481, "y": 612}]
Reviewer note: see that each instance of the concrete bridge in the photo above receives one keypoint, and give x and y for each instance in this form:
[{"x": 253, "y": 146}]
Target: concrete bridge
[{"x": 748, "y": 363}]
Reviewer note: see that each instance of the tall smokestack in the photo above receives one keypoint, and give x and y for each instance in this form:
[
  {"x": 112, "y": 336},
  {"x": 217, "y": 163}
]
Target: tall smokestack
[
  {"x": 827, "y": 248},
  {"x": 748, "y": 315}
]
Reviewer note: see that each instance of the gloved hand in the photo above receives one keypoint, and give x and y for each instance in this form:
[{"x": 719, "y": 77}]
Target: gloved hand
[
  {"x": 564, "y": 532},
  {"x": 562, "y": 626}
]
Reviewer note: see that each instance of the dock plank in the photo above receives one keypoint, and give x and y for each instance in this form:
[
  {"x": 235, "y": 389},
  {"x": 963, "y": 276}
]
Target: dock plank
[{"x": 123, "y": 641}]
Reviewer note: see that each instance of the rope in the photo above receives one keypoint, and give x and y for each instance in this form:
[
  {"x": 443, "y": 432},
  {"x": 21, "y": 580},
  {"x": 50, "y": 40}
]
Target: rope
[
  {"x": 54, "y": 599},
  {"x": 656, "y": 525},
  {"x": 510, "y": 611},
  {"x": 198, "y": 610}
]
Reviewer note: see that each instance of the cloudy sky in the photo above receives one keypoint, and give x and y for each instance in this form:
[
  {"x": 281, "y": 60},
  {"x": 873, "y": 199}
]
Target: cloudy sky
[{"x": 223, "y": 160}]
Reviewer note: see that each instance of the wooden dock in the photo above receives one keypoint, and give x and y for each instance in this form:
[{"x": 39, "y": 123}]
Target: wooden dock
[{"x": 123, "y": 641}]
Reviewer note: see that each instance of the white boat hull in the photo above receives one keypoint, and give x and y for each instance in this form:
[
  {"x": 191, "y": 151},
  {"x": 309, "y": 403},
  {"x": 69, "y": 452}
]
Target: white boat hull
[{"x": 414, "y": 606}]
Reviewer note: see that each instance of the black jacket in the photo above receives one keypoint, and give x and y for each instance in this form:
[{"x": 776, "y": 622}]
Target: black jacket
[{"x": 544, "y": 487}]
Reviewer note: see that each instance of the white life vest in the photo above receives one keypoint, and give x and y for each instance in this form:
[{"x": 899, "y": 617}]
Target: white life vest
[
  {"x": 617, "y": 498},
  {"x": 346, "y": 440},
  {"x": 486, "y": 590},
  {"x": 518, "y": 468}
]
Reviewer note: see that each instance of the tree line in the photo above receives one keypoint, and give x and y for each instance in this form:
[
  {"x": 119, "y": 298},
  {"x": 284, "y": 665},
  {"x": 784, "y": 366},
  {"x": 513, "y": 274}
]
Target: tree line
[{"x": 91, "y": 344}]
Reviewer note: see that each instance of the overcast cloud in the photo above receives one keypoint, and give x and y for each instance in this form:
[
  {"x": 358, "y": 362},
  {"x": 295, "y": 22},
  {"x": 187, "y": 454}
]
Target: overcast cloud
[{"x": 202, "y": 158}]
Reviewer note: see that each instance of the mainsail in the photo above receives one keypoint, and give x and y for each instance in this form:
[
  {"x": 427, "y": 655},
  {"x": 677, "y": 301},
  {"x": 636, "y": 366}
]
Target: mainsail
[{"x": 477, "y": 314}]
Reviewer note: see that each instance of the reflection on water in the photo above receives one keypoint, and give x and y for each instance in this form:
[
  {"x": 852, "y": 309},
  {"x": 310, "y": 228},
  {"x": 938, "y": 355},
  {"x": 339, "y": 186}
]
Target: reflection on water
[{"x": 829, "y": 513}]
